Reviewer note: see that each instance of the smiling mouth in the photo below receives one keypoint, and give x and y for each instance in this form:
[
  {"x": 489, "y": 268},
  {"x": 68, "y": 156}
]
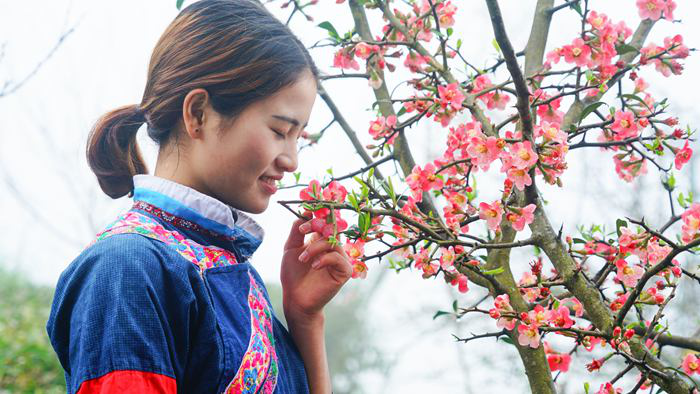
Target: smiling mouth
[{"x": 268, "y": 184}]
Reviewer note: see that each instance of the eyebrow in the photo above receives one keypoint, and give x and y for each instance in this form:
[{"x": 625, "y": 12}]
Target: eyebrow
[{"x": 289, "y": 120}]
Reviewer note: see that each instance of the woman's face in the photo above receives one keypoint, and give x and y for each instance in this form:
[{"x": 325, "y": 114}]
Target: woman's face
[{"x": 229, "y": 159}]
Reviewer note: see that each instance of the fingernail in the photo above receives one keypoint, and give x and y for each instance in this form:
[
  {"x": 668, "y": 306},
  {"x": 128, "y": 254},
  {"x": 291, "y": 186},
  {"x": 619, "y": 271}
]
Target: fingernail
[
  {"x": 315, "y": 264},
  {"x": 304, "y": 227},
  {"x": 303, "y": 256}
]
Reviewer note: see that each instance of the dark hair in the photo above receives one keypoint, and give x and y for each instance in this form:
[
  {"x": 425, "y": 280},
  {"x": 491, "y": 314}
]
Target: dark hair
[{"x": 234, "y": 49}]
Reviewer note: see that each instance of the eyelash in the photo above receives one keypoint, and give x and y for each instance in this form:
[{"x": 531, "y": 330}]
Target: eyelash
[{"x": 281, "y": 135}]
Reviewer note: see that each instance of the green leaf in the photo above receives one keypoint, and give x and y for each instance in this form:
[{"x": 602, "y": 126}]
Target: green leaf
[
  {"x": 495, "y": 271},
  {"x": 507, "y": 340},
  {"x": 449, "y": 31},
  {"x": 537, "y": 250},
  {"x": 459, "y": 43},
  {"x": 495, "y": 45},
  {"x": 586, "y": 387},
  {"x": 363, "y": 221},
  {"x": 353, "y": 201},
  {"x": 296, "y": 176},
  {"x": 331, "y": 30},
  {"x": 330, "y": 171},
  {"x": 370, "y": 173},
  {"x": 681, "y": 201},
  {"x": 577, "y": 7},
  {"x": 579, "y": 241},
  {"x": 401, "y": 112},
  {"x": 619, "y": 224},
  {"x": 440, "y": 313},
  {"x": 670, "y": 182},
  {"x": 625, "y": 48},
  {"x": 589, "y": 110},
  {"x": 636, "y": 98},
  {"x": 178, "y": 4},
  {"x": 454, "y": 305}
]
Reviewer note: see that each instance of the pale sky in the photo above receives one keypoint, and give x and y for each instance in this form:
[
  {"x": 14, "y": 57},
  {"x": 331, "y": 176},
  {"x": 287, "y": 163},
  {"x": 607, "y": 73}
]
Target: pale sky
[{"x": 102, "y": 65}]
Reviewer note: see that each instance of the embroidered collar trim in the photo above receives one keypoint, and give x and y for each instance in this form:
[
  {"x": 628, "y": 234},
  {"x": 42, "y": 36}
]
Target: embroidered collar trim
[{"x": 190, "y": 204}]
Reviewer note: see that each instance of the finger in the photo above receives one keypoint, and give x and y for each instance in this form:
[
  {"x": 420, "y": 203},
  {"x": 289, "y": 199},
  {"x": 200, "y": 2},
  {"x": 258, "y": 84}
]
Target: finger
[
  {"x": 296, "y": 236},
  {"x": 316, "y": 246},
  {"x": 333, "y": 260}
]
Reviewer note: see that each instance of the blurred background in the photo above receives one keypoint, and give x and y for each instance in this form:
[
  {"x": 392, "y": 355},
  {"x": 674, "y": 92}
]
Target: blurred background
[{"x": 63, "y": 63}]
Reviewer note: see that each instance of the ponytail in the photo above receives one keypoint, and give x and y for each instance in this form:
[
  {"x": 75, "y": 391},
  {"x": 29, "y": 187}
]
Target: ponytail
[{"x": 112, "y": 152}]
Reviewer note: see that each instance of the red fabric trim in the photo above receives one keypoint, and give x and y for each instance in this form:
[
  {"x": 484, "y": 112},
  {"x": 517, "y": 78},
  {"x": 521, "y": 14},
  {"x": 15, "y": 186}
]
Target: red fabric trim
[{"x": 129, "y": 382}]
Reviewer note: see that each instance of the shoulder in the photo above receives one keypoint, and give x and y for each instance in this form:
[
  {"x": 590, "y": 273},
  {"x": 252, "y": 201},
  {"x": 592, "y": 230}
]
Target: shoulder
[
  {"x": 131, "y": 256},
  {"x": 125, "y": 266}
]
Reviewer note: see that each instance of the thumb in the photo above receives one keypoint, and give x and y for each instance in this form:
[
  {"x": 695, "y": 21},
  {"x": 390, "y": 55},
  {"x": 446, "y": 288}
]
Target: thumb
[{"x": 296, "y": 237}]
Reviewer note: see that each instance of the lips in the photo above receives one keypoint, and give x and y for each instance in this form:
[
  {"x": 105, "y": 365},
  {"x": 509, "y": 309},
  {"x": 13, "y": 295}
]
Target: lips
[{"x": 268, "y": 184}]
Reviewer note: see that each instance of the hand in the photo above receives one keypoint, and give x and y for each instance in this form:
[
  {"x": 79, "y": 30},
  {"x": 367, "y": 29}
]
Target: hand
[{"x": 310, "y": 284}]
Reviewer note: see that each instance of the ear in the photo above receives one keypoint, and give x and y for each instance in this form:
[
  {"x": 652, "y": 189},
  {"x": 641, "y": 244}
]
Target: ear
[{"x": 194, "y": 107}]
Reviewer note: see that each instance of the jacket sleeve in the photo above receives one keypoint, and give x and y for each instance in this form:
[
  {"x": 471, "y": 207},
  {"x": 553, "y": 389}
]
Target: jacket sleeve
[{"x": 120, "y": 319}]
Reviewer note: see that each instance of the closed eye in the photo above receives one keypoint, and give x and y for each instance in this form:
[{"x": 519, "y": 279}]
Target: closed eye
[{"x": 279, "y": 134}]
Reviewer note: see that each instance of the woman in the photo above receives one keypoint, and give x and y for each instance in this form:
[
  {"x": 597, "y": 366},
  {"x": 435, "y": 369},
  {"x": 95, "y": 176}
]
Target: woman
[{"x": 164, "y": 300}]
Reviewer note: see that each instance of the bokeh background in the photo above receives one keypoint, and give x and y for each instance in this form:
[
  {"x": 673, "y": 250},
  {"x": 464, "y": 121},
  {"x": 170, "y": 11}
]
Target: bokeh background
[{"x": 63, "y": 63}]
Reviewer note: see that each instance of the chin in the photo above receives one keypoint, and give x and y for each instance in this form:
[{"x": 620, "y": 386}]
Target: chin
[{"x": 256, "y": 208}]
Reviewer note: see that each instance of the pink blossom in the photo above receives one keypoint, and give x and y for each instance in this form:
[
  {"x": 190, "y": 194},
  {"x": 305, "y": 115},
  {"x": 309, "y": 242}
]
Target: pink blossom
[
  {"x": 461, "y": 282},
  {"x": 423, "y": 180},
  {"x": 359, "y": 270},
  {"x": 655, "y": 252},
  {"x": 683, "y": 156},
  {"x": 523, "y": 218},
  {"x": 691, "y": 223},
  {"x": 650, "y": 9},
  {"x": 691, "y": 364},
  {"x": 446, "y": 12},
  {"x": 447, "y": 258},
  {"x": 628, "y": 274},
  {"x": 548, "y": 112},
  {"x": 451, "y": 96},
  {"x": 497, "y": 100},
  {"x": 607, "y": 388},
  {"x": 557, "y": 361},
  {"x": 640, "y": 85},
  {"x": 625, "y": 125},
  {"x": 578, "y": 52},
  {"x": 523, "y": 155},
  {"x": 560, "y": 317},
  {"x": 335, "y": 192},
  {"x": 630, "y": 168},
  {"x": 485, "y": 150},
  {"x": 519, "y": 177},
  {"x": 675, "y": 46},
  {"x": 382, "y": 127},
  {"x": 551, "y": 132},
  {"x": 354, "y": 249},
  {"x": 415, "y": 61},
  {"x": 502, "y": 305},
  {"x": 618, "y": 302},
  {"x": 312, "y": 191},
  {"x": 597, "y": 20},
  {"x": 538, "y": 316},
  {"x": 573, "y": 304},
  {"x": 529, "y": 335},
  {"x": 343, "y": 59},
  {"x": 492, "y": 213},
  {"x": 364, "y": 50}
]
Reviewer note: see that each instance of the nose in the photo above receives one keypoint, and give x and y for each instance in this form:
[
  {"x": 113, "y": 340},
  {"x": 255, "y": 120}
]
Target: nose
[{"x": 288, "y": 160}]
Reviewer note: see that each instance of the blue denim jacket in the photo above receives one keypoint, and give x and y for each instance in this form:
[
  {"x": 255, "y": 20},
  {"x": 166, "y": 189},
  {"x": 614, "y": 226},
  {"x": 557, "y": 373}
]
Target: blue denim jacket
[{"x": 165, "y": 300}]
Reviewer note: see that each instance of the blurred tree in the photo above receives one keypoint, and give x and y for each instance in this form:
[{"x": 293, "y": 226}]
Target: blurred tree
[
  {"x": 27, "y": 360},
  {"x": 354, "y": 357}
]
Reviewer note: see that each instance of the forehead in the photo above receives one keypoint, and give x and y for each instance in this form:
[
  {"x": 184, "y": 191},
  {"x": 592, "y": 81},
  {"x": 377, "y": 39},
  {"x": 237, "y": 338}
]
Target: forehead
[{"x": 293, "y": 103}]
